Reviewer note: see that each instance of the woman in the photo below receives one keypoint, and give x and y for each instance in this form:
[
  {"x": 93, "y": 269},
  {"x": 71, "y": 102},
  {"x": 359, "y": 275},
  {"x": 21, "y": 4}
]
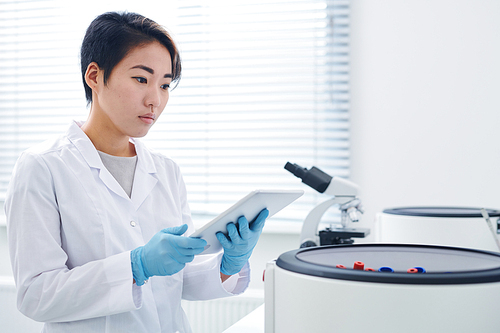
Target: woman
[{"x": 93, "y": 215}]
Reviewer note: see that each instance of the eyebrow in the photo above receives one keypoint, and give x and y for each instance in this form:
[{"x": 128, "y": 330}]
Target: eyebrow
[{"x": 150, "y": 70}]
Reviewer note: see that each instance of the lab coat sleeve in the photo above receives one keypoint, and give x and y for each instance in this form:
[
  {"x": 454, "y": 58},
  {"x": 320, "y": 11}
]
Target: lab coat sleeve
[
  {"x": 202, "y": 279},
  {"x": 47, "y": 290}
]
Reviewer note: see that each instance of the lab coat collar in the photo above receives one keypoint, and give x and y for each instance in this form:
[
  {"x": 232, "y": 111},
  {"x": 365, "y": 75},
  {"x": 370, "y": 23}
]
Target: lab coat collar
[
  {"x": 145, "y": 178},
  {"x": 145, "y": 173},
  {"x": 144, "y": 158},
  {"x": 82, "y": 142}
]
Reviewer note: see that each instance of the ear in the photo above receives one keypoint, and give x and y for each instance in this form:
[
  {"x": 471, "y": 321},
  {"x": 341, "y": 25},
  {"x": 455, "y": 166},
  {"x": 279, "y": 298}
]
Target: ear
[{"x": 92, "y": 75}]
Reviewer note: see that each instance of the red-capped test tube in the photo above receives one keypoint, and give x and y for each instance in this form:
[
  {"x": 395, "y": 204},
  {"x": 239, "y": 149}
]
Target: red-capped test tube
[
  {"x": 359, "y": 265},
  {"x": 340, "y": 266},
  {"x": 412, "y": 270}
]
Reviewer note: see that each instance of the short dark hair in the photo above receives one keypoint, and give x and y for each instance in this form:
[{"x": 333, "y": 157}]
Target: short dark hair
[{"x": 111, "y": 36}]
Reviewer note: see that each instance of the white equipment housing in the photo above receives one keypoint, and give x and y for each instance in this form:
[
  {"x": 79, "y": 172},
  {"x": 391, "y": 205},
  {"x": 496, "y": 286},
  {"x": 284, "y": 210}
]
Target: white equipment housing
[{"x": 305, "y": 292}]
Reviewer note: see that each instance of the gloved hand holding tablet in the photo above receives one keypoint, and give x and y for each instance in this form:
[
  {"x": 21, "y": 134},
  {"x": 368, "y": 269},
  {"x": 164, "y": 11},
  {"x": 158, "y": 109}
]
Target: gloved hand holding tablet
[{"x": 248, "y": 207}]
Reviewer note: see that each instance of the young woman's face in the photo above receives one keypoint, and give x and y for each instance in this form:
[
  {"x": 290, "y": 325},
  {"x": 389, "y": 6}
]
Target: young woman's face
[{"x": 137, "y": 90}]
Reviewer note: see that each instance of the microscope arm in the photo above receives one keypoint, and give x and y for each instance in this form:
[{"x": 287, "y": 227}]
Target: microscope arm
[{"x": 309, "y": 231}]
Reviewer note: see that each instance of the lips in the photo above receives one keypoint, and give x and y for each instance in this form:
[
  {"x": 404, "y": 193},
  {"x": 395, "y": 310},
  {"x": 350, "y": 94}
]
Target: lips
[{"x": 148, "y": 118}]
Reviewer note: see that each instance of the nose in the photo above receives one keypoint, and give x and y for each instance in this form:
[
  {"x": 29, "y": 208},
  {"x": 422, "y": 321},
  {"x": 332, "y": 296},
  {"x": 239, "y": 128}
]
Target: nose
[{"x": 153, "y": 98}]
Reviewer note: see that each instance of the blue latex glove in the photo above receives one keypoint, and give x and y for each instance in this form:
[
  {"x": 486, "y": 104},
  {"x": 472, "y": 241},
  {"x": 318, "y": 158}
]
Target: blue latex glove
[
  {"x": 238, "y": 244},
  {"x": 166, "y": 253}
]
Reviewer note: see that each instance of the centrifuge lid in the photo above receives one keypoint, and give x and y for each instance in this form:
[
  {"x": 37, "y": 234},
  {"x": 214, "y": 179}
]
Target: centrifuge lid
[
  {"x": 443, "y": 265},
  {"x": 441, "y": 211}
]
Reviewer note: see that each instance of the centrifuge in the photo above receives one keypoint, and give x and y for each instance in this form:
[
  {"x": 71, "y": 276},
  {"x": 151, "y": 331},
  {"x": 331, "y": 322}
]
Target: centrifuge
[
  {"x": 451, "y": 226},
  {"x": 383, "y": 288}
]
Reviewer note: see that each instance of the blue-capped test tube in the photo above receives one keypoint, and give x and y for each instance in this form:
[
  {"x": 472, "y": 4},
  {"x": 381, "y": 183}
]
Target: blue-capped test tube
[{"x": 386, "y": 269}]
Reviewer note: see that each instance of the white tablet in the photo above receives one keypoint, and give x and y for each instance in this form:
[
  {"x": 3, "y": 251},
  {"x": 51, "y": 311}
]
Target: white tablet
[{"x": 250, "y": 206}]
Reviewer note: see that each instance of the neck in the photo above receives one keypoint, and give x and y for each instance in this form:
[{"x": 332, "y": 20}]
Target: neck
[{"x": 105, "y": 139}]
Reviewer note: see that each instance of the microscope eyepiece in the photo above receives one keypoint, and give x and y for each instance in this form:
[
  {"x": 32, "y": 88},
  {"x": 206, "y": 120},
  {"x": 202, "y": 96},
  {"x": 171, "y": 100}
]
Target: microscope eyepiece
[
  {"x": 313, "y": 177},
  {"x": 297, "y": 170}
]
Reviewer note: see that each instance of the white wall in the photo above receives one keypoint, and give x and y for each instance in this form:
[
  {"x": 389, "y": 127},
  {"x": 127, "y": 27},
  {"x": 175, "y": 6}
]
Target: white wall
[{"x": 425, "y": 103}]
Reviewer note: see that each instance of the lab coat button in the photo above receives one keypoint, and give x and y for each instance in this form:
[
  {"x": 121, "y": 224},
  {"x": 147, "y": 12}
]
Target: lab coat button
[{"x": 133, "y": 224}]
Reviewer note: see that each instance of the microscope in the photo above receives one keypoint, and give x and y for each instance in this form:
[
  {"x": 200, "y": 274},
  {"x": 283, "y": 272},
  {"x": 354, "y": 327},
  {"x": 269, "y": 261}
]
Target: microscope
[{"x": 343, "y": 194}]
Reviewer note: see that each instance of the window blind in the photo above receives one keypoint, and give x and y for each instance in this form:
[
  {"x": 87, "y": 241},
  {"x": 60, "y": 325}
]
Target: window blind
[
  {"x": 39, "y": 88},
  {"x": 263, "y": 83}
]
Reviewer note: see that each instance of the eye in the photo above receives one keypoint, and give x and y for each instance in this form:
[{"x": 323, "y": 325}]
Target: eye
[
  {"x": 165, "y": 86},
  {"x": 140, "y": 79}
]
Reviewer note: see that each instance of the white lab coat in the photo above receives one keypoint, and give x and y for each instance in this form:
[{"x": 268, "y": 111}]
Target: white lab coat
[{"x": 71, "y": 228}]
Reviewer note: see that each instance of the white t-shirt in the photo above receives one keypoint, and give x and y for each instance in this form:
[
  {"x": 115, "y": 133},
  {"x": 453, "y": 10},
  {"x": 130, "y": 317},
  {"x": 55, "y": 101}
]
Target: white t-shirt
[{"x": 122, "y": 169}]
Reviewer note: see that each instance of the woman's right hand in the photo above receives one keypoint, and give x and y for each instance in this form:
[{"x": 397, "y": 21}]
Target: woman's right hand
[{"x": 165, "y": 254}]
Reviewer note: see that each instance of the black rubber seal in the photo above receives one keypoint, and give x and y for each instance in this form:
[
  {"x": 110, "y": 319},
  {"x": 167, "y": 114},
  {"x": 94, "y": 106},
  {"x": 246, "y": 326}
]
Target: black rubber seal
[
  {"x": 290, "y": 262},
  {"x": 455, "y": 212}
]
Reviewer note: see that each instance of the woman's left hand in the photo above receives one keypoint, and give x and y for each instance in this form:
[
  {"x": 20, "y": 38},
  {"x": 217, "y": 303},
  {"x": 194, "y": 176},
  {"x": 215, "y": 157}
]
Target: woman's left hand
[{"x": 240, "y": 242}]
